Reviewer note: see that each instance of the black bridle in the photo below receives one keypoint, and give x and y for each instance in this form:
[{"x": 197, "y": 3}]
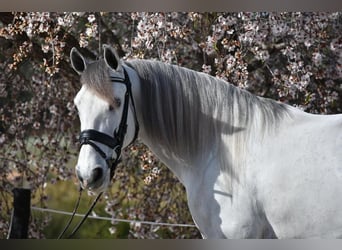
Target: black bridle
[{"x": 115, "y": 142}]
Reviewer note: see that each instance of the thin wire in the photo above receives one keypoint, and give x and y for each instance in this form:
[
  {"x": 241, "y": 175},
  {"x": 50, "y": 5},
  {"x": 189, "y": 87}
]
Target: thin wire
[
  {"x": 49, "y": 210},
  {"x": 72, "y": 214}
]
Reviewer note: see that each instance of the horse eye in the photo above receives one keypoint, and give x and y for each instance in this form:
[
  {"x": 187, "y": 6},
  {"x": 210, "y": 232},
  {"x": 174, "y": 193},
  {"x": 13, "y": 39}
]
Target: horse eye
[
  {"x": 117, "y": 102},
  {"x": 111, "y": 108}
]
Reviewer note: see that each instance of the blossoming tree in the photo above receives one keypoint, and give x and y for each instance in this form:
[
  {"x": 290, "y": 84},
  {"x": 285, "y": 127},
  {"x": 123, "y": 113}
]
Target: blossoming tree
[{"x": 291, "y": 57}]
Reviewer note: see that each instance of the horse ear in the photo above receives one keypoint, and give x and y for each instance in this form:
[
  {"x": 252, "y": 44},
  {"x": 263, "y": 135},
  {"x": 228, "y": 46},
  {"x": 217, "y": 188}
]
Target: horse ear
[
  {"x": 77, "y": 61},
  {"x": 111, "y": 57}
]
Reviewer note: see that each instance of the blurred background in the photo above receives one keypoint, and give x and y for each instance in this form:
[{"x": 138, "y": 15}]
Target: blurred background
[{"x": 291, "y": 57}]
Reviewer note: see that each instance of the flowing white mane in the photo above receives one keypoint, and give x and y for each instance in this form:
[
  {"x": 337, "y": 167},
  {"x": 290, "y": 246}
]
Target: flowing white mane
[{"x": 188, "y": 111}]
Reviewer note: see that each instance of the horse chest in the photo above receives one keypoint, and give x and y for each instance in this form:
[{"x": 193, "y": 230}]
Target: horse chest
[{"x": 217, "y": 213}]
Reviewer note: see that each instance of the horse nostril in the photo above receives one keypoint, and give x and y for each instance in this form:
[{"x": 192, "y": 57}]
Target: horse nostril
[
  {"x": 93, "y": 180},
  {"x": 97, "y": 174}
]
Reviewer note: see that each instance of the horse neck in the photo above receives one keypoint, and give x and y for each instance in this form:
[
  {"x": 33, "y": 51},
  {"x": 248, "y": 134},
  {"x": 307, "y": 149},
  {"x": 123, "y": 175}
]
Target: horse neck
[{"x": 201, "y": 118}]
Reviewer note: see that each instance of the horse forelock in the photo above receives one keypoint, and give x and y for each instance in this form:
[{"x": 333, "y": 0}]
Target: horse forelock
[{"x": 96, "y": 78}]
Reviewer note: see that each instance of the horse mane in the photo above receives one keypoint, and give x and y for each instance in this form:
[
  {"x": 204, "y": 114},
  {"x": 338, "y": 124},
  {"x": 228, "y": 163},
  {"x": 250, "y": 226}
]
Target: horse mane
[{"x": 188, "y": 111}]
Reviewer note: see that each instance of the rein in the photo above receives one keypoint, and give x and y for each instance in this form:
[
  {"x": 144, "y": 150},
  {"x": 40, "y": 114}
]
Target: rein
[{"x": 115, "y": 142}]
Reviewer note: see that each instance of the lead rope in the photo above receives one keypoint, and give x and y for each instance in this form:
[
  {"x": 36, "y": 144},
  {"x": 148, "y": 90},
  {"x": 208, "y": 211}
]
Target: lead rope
[
  {"x": 73, "y": 215},
  {"x": 85, "y": 216}
]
